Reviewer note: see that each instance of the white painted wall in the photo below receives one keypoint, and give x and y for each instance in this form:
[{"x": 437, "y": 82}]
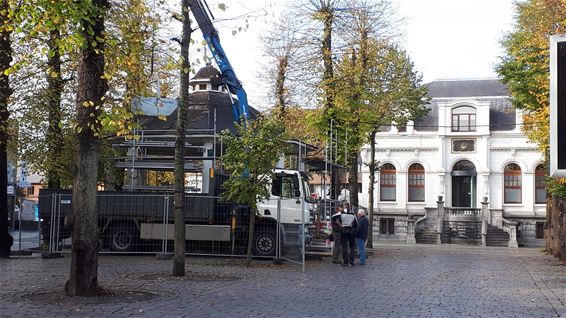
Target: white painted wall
[{"x": 434, "y": 151}]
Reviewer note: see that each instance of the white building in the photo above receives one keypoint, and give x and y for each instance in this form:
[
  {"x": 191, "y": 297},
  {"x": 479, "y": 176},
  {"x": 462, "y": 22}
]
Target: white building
[{"x": 469, "y": 148}]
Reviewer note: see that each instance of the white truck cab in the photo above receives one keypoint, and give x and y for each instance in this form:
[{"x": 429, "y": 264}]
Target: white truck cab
[{"x": 292, "y": 188}]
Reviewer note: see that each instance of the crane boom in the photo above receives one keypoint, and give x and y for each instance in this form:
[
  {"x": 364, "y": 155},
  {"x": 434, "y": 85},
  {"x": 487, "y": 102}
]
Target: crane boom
[{"x": 201, "y": 11}]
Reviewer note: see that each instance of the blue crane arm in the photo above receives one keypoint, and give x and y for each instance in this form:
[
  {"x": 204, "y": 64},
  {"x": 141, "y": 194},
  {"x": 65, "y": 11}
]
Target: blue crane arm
[{"x": 229, "y": 78}]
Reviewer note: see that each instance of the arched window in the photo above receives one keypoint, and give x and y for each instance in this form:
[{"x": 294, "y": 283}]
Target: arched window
[
  {"x": 464, "y": 118},
  {"x": 540, "y": 188},
  {"x": 387, "y": 182},
  {"x": 512, "y": 183},
  {"x": 416, "y": 183}
]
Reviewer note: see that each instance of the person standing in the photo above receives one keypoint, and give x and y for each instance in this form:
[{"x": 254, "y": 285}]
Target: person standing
[
  {"x": 348, "y": 224},
  {"x": 335, "y": 223},
  {"x": 362, "y": 235}
]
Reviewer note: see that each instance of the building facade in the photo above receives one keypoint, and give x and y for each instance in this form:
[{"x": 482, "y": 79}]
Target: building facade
[{"x": 467, "y": 150}]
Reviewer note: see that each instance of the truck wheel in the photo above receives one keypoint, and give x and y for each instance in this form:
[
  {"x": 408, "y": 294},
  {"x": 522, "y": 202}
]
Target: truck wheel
[
  {"x": 264, "y": 243},
  {"x": 122, "y": 240}
]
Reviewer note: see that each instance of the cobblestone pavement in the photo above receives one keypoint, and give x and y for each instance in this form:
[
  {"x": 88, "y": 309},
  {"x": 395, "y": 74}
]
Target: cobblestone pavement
[{"x": 398, "y": 281}]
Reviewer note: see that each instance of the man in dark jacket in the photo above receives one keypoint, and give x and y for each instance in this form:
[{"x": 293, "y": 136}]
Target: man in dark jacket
[
  {"x": 337, "y": 249},
  {"x": 348, "y": 224},
  {"x": 362, "y": 235}
]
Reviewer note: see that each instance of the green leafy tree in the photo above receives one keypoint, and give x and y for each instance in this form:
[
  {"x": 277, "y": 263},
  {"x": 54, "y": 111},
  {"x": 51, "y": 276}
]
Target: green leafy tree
[
  {"x": 350, "y": 85},
  {"x": 371, "y": 20},
  {"x": 525, "y": 66},
  {"x": 391, "y": 93},
  {"x": 296, "y": 121},
  {"x": 46, "y": 104},
  {"x": 338, "y": 29},
  {"x": 105, "y": 81},
  {"x": 92, "y": 87},
  {"x": 250, "y": 157},
  {"x": 39, "y": 88},
  {"x": 525, "y": 70}
]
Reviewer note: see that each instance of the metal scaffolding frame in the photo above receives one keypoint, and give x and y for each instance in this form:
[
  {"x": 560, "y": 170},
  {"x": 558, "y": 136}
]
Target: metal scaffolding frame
[{"x": 144, "y": 140}]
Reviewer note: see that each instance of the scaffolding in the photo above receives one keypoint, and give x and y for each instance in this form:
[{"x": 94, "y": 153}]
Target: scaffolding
[
  {"x": 154, "y": 149},
  {"x": 325, "y": 163}
]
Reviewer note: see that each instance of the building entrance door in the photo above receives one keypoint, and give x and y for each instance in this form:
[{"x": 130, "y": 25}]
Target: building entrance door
[
  {"x": 463, "y": 191},
  {"x": 464, "y": 184}
]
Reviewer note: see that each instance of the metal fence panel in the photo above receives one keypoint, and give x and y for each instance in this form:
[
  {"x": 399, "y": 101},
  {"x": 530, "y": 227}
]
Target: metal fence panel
[
  {"x": 136, "y": 222},
  {"x": 293, "y": 237},
  {"x": 58, "y": 236},
  {"x": 121, "y": 217},
  {"x": 27, "y": 225}
]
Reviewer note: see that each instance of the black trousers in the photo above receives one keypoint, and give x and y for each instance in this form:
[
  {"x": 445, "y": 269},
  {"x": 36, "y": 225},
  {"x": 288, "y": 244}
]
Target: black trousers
[{"x": 348, "y": 254}]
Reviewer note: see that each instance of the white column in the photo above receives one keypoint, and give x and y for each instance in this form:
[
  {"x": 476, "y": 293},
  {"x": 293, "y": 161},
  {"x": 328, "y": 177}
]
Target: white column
[
  {"x": 401, "y": 189},
  {"x": 487, "y": 174},
  {"x": 496, "y": 191},
  {"x": 442, "y": 169},
  {"x": 365, "y": 188},
  {"x": 527, "y": 190},
  {"x": 482, "y": 188}
]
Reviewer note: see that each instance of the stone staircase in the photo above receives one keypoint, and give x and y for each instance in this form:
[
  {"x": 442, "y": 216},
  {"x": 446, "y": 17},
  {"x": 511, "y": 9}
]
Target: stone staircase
[
  {"x": 426, "y": 236},
  {"x": 496, "y": 237}
]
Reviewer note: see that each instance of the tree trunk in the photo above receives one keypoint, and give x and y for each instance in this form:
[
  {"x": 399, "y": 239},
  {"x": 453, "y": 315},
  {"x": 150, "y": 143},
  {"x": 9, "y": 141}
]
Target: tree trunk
[
  {"x": 280, "y": 86},
  {"x": 6, "y": 240},
  {"x": 354, "y": 141},
  {"x": 328, "y": 74},
  {"x": 328, "y": 87},
  {"x": 372, "y": 165},
  {"x": 54, "y": 92},
  {"x": 556, "y": 228},
  {"x": 179, "y": 245},
  {"x": 334, "y": 184},
  {"x": 353, "y": 178},
  {"x": 250, "y": 237},
  {"x": 91, "y": 87}
]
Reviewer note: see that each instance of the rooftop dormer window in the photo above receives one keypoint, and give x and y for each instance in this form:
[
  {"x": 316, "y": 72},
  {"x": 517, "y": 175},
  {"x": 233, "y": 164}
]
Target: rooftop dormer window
[{"x": 464, "y": 118}]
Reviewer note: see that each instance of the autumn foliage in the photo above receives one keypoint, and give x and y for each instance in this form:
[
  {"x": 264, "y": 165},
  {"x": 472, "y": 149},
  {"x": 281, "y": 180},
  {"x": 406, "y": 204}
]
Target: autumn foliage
[{"x": 525, "y": 70}]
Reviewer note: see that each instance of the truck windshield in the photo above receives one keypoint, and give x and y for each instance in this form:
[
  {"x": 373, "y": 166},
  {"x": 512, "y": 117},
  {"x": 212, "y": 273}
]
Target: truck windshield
[{"x": 285, "y": 186}]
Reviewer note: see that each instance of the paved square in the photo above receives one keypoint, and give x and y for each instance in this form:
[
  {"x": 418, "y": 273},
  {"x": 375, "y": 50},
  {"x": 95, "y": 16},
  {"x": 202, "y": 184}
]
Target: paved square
[{"x": 398, "y": 281}]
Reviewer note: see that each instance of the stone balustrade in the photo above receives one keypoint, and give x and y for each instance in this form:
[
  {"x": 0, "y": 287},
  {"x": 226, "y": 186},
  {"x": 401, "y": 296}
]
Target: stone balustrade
[
  {"x": 461, "y": 211},
  {"x": 511, "y": 228}
]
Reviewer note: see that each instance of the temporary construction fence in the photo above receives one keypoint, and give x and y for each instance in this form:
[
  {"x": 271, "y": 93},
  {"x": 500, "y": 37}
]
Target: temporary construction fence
[
  {"x": 26, "y": 227},
  {"x": 137, "y": 222}
]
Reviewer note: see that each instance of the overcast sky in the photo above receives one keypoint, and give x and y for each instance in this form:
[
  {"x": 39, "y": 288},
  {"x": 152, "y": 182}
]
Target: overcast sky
[{"x": 447, "y": 39}]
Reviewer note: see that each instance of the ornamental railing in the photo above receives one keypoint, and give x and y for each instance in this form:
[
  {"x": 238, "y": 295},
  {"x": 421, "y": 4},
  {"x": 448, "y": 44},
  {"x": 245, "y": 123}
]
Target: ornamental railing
[{"x": 462, "y": 211}]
